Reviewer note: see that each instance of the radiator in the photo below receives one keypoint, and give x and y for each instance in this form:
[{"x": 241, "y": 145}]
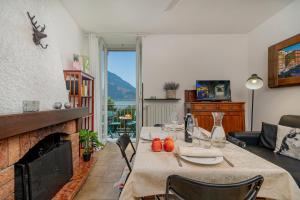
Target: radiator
[{"x": 158, "y": 112}]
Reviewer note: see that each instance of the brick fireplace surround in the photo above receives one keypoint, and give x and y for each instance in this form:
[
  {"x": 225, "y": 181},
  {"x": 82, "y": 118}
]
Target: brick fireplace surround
[{"x": 20, "y": 132}]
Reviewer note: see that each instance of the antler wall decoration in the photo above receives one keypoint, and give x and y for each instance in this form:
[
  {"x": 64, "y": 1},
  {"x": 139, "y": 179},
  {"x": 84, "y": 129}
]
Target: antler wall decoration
[{"x": 38, "y": 35}]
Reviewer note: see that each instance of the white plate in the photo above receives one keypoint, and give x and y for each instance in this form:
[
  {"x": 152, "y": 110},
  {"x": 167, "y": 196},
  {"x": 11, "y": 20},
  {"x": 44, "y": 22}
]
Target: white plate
[{"x": 203, "y": 161}]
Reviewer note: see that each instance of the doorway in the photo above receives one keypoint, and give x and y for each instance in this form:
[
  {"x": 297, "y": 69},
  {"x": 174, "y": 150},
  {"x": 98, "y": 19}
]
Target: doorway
[{"x": 121, "y": 93}]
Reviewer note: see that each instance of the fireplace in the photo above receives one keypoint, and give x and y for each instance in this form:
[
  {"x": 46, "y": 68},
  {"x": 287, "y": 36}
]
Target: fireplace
[
  {"x": 44, "y": 169},
  {"x": 39, "y": 151}
]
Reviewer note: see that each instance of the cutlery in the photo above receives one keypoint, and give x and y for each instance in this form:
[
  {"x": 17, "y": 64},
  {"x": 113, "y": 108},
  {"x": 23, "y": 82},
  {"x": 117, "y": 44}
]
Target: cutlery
[
  {"x": 178, "y": 160},
  {"x": 228, "y": 162}
]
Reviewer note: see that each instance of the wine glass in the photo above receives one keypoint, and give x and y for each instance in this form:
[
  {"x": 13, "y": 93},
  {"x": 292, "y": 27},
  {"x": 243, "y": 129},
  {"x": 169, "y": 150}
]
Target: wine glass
[
  {"x": 195, "y": 121},
  {"x": 174, "y": 120},
  {"x": 173, "y": 125},
  {"x": 196, "y": 130}
]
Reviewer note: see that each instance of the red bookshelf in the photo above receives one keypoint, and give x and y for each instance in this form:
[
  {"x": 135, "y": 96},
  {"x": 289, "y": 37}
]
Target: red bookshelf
[{"x": 81, "y": 94}]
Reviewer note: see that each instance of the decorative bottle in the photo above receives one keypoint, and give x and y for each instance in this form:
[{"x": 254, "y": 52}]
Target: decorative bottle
[{"x": 188, "y": 128}]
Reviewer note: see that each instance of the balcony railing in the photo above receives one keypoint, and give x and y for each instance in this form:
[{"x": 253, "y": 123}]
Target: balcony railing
[{"x": 121, "y": 119}]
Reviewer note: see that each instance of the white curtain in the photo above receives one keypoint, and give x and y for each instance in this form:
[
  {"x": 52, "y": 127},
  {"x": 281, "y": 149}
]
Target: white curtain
[
  {"x": 139, "y": 89},
  {"x": 96, "y": 47},
  {"x": 103, "y": 89}
]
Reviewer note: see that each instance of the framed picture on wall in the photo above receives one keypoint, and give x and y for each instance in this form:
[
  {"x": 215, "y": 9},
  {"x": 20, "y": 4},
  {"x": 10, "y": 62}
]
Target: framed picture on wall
[{"x": 284, "y": 63}]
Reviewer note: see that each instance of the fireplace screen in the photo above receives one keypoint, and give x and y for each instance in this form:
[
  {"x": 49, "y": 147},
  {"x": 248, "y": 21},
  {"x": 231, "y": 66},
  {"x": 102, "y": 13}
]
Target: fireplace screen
[{"x": 44, "y": 170}]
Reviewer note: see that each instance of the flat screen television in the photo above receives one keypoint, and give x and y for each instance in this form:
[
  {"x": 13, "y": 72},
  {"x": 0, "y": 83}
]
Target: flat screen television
[{"x": 213, "y": 90}]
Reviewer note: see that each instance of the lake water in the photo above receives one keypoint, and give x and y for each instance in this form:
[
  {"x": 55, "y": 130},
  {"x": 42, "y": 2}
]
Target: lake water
[{"x": 120, "y": 104}]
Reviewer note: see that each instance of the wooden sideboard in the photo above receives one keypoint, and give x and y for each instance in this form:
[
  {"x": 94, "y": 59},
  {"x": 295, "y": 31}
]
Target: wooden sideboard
[{"x": 234, "y": 118}]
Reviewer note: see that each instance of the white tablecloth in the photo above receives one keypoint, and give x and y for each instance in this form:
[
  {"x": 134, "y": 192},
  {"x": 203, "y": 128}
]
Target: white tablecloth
[{"x": 150, "y": 171}]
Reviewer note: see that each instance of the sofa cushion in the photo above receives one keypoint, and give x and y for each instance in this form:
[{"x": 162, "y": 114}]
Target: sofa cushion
[
  {"x": 290, "y": 120},
  {"x": 282, "y": 131},
  {"x": 268, "y": 136},
  {"x": 289, "y": 164},
  {"x": 291, "y": 145},
  {"x": 250, "y": 137}
]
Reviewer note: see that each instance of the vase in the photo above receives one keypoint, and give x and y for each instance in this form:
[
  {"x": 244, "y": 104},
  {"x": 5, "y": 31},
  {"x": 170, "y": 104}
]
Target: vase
[
  {"x": 171, "y": 94},
  {"x": 86, "y": 157},
  {"x": 218, "y": 137}
]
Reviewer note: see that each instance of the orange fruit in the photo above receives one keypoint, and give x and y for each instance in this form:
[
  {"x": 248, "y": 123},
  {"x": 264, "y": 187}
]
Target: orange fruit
[
  {"x": 168, "y": 138},
  {"x": 156, "y": 145},
  {"x": 169, "y": 145}
]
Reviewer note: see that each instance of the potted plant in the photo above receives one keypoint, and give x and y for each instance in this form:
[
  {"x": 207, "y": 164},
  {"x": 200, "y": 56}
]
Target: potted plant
[
  {"x": 170, "y": 88},
  {"x": 89, "y": 141}
]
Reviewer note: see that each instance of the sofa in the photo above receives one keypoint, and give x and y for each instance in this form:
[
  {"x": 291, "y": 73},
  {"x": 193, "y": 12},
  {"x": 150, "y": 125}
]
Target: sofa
[{"x": 251, "y": 142}]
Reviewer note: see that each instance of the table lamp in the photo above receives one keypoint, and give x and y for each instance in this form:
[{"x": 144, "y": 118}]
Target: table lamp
[{"x": 254, "y": 83}]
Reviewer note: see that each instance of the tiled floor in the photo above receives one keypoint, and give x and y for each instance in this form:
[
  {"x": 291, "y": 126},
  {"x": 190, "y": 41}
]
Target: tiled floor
[{"x": 106, "y": 172}]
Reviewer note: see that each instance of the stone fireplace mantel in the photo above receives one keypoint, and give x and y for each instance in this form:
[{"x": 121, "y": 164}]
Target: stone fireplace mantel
[{"x": 15, "y": 124}]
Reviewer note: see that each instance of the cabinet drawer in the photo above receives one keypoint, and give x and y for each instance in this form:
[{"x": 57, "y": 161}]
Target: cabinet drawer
[
  {"x": 231, "y": 107},
  {"x": 207, "y": 106}
]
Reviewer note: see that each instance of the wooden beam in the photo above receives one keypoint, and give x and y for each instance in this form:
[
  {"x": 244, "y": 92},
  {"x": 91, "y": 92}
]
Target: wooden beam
[{"x": 11, "y": 125}]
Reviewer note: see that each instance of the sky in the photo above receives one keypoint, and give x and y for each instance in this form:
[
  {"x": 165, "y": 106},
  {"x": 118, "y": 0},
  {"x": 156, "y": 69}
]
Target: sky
[{"x": 123, "y": 63}]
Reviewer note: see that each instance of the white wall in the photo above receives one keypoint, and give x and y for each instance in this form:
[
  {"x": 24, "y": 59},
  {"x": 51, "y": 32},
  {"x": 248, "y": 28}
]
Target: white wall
[
  {"x": 272, "y": 103},
  {"x": 28, "y": 72},
  {"x": 69, "y": 37},
  {"x": 186, "y": 58}
]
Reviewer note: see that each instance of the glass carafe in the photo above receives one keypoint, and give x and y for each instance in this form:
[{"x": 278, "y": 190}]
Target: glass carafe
[{"x": 218, "y": 137}]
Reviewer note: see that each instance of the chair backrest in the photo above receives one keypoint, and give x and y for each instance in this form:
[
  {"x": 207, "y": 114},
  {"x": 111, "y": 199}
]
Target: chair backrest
[
  {"x": 123, "y": 142},
  {"x": 188, "y": 189},
  {"x": 290, "y": 120}
]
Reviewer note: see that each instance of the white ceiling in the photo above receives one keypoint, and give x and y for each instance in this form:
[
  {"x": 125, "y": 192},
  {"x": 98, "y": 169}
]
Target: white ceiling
[{"x": 185, "y": 17}]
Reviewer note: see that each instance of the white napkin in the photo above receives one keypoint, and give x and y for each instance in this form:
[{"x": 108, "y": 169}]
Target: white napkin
[
  {"x": 177, "y": 127},
  {"x": 205, "y": 133},
  {"x": 199, "y": 152}
]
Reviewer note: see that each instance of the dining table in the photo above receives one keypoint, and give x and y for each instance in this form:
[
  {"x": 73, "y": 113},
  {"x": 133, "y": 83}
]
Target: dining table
[{"x": 151, "y": 169}]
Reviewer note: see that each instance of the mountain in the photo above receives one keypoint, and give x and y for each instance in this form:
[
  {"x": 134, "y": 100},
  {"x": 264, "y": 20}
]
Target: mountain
[{"x": 119, "y": 89}]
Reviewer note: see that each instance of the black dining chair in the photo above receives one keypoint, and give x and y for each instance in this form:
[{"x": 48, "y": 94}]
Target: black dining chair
[
  {"x": 123, "y": 142},
  {"x": 188, "y": 189}
]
